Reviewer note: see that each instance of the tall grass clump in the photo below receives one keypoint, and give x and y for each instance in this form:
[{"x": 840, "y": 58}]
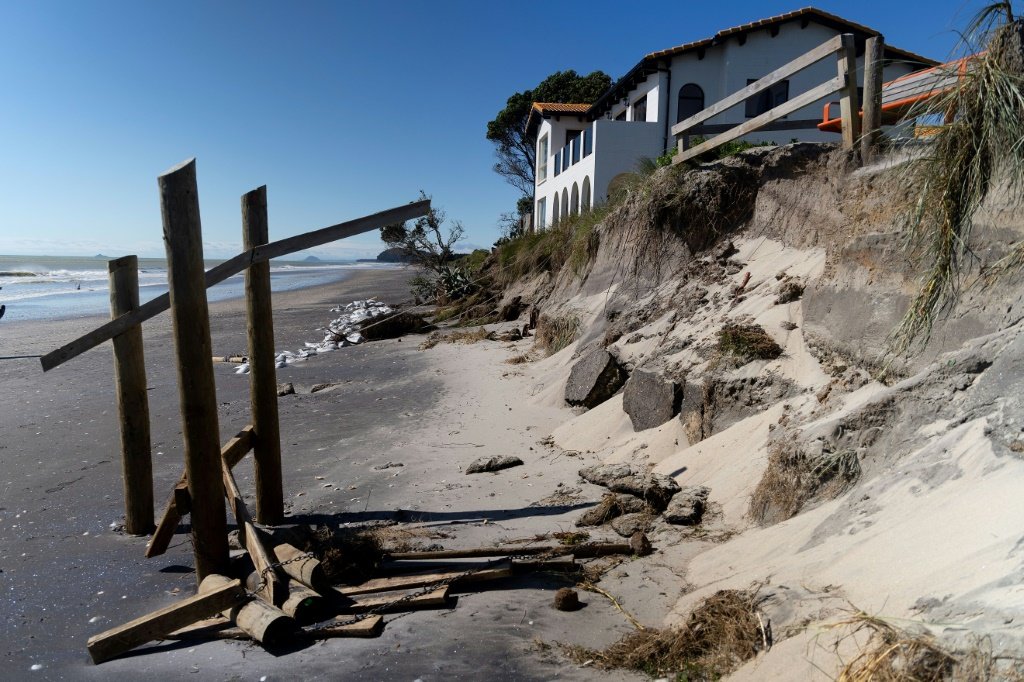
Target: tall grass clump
[
  {"x": 573, "y": 240},
  {"x": 980, "y": 146}
]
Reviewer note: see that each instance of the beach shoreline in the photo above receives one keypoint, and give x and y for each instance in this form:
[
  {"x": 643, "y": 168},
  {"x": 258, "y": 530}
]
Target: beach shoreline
[{"x": 68, "y": 573}]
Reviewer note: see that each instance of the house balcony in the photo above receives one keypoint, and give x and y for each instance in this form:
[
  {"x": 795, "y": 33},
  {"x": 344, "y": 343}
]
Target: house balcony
[{"x": 579, "y": 148}]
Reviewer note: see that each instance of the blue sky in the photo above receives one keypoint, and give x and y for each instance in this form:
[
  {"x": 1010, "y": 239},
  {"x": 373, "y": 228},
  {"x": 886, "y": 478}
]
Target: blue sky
[{"x": 340, "y": 108}]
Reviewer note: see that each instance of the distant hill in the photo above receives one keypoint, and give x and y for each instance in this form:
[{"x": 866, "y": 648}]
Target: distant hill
[
  {"x": 100, "y": 255},
  {"x": 310, "y": 259},
  {"x": 394, "y": 255}
]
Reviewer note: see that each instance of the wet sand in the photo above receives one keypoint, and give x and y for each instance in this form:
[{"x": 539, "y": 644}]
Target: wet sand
[{"x": 65, "y": 574}]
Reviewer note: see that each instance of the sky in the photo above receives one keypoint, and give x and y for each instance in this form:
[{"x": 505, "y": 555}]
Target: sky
[{"x": 341, "y": 108}]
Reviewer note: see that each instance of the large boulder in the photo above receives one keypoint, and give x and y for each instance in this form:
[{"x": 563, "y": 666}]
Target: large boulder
[
  {"x": 594, "y": 378},
  {"x": 650, "y": 400},
  {"x": 496, "y": 463},
  {"x": 687, "y": 507},
  {"x": 628, "y": 525},
  {"x": 610, "y": 507},
  {"x": 393, "y": 326},
  {"x": 655, "y": 489}
]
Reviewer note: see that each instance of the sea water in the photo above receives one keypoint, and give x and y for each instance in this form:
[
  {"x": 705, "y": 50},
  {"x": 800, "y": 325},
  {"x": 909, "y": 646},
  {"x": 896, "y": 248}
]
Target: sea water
[{"x": 50, "y": 287}]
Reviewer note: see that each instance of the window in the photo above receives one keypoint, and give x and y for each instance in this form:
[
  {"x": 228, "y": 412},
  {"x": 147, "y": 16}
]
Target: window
[
  {"x": 588, "y": 142},
  {"x": 542, "y": 159},
  {"x": 542, "y": 214},
  {"x": 766, "y": 100},
  {"x": 621, "y": 116},
  {"x": 691, "y": 101},
  {"x": 558, "y": 163},
  {"x": 640, "y": 109}
]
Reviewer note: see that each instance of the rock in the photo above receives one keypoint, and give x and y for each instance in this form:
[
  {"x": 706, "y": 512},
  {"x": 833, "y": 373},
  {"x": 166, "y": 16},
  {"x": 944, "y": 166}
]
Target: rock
[
  {"x": 567, "y": 599},
  {"x": 629, "y": 524},
  {"x": 650, "y": 400},
  {"x": 687, "y": 507},
  {"x": 724, "y": 251},
  {"x": 640, "y": 545},
  {"x": 393, "y": 326},
  {"x": 610, "y": 507},
  {"x": 485, "y": 464},
  {"x": 285, "y": 389},
  {"x": 594, "y": 379},
  {"x": 509, "y": 335},
  {"x": 655, "y": 489},
  {"x": 693, "y": 413},
  {"x": 511, "y": 310}
]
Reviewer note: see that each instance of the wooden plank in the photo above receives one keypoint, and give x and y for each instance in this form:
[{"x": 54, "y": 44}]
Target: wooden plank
[
  {"x": 262, "y": 374},
  {"x": 438, "y": 597},
  {"x": 849, "y": 108},
  {"x": 800, "y": 63},
  {"x": 234, "y": 266},
  {"x": 371, "y": 626},
  {"x": 132, "y": 399},
  {"x": 197, "y": 391},
  {"x": 873, "y": 51},
  {"x": 232, "y": 453},
  {"x": 257, "y": 552},
  {"x": 422, "y": 580},
  {"x": 588, "y": 550},
  {"x": 156, "y": 625},
  {"x": 809, "y": 97}
]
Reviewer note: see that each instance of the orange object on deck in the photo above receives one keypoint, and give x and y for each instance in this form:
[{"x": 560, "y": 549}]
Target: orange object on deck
[{"x": 899, "y": 96}]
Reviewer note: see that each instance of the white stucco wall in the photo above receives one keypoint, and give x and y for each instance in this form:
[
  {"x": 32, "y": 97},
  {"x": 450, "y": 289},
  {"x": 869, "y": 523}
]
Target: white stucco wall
[
  {"x": 618, "y": 146},
  {"x": 554, "y": 185}
]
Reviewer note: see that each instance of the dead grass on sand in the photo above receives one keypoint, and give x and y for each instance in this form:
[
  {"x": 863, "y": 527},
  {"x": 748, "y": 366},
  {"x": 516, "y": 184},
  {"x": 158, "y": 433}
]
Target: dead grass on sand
[
  {"x": 792, "y": 479},
  {"x": 721, "y": 634},
  {"x": 892, "y": 654},
  {"x": 457, "y": 336}
]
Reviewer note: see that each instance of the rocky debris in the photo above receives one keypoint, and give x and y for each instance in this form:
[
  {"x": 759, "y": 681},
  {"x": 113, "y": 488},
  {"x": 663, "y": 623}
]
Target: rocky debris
[
  {"x": 789, "y": 291},
  {"x": 640, "y": 544},
  {"x": 511, "y": 310},
  {"x": 610, "y": 507},
  {"x": 509, "y": 335},
  {"x": 650, "y": 400},
  {"x": 628, "y": 525},
  {"x": 687, "y": 507},
  {"x": 655, "y": 489},
  {"x": 787, "y": 325},
  {"x": 285, "y": 389},
  {"x": 693, "y": 414},
  {"x": 567, "y": 599},
  {"x": 497, "y": 463},
  {"x": 388, "y": 465},
  {"x": 724, "y": 251},
  {"x": 594, "y": 378}
]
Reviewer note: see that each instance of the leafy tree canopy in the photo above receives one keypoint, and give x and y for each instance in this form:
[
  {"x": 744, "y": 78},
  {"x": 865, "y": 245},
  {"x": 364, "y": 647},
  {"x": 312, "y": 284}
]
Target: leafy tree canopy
[{"x": 515, "y": 150}]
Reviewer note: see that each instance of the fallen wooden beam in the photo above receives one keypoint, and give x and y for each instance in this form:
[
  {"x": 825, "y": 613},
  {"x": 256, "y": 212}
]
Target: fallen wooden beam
[
  {"x": 562, "y": 564},
  {"x": 157, "y": 625},
  {"x": 438, "y": 597},
  {"x": 423, "y": 579},
  {"x": 301, "y": 567},
  {"x": 232, "y": 453},
  {"x": 371, "y": 626},
  {"x": 584, "y": 551},
  {"x": 272, "y": 590},
  {"x": 261, "y": 621}
]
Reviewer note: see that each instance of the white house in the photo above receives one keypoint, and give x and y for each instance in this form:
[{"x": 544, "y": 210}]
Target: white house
[{"x": 582, "y": 149}]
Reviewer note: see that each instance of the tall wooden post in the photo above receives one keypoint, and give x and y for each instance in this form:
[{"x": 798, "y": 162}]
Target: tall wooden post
[
  {"x": 132, "y": 400},
  {"x": 873, "y": 55},
  {"x": 183, "y": 238},
  {"x": 849, "y": 107},
  {"x": 262, "y": 375}
]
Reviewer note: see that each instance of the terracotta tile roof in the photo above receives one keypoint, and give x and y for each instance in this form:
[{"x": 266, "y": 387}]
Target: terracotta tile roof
[{"x": 560, "y": 107}]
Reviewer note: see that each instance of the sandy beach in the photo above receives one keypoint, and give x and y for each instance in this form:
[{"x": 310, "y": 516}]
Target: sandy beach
[{"x": 67, "y": 573}]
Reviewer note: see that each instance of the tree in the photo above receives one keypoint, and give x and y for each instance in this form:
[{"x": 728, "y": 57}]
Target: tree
[
  {"x": 515, "y": 150},
  {"x": 426, "y": 241}
]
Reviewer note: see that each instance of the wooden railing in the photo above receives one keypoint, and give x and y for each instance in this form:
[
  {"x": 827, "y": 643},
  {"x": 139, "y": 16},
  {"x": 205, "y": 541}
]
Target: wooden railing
[
  {"x": 845, "y": 83},
  {"x": 207, "y": 473}
]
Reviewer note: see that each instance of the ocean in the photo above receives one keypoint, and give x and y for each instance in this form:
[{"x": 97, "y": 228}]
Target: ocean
[{"x": 52, "y": 287}]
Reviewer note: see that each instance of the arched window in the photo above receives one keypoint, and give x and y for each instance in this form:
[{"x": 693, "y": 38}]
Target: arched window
[
  {"x": 691, "y": 101},
  {"x": 574, "y": 201},
  {"x": 565, "y": 203},
  {"x": 585, "y": 205},
  {"x": 554, "y": 210}
]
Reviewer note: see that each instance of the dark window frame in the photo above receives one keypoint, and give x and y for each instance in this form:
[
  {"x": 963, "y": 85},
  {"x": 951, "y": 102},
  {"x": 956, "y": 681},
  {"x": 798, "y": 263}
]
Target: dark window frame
[
  {"x": 767, "y": 99},
  {"x": 640, "y": 106},
  {"x": 689, "y": 96}
]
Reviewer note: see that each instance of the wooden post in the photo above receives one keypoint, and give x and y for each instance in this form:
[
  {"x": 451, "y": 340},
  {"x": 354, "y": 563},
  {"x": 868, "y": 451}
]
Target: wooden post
[
  {"x": 132, "y": 400},
  {"x": 183, "y": 238},
  {"x": 849, "y": 107},
  {"x": 262, "y": 375},
  {"x": 873, "y": 55}
]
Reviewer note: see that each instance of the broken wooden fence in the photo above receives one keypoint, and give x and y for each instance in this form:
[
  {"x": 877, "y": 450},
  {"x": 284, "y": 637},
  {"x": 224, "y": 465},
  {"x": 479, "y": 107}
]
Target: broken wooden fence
[
  {"x": 845, "y": 83},
  {"x": 201, "y": 489}
]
